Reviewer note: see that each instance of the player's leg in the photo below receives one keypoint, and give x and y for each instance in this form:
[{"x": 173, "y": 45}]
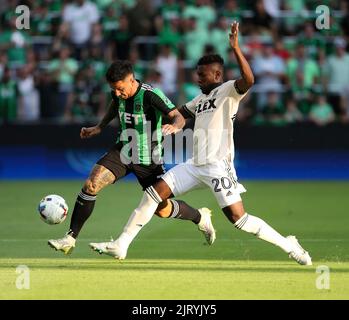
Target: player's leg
[
  {"x": 106, "y": 171},
  {"x": 177, "y": 209},
  {"x": 181, "y": 179},
  {"x": 138, "y": 219},
  {"x": 258, "y": 227},
  {"x": 99, "y": 178},
  {"x": 152, "y": 197},
  {"x": 148, "y": 176},
  {"x": 246, "y": 222},
  {"x": 222, "y": 180}
]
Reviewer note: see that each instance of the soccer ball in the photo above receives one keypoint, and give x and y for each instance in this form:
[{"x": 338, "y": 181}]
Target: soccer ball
[{"x": 53, "y": 209}]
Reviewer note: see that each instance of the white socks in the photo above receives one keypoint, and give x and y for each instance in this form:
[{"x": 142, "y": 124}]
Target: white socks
[
  {"x": 150, "y": 201},
  {"x": 262, "y": 230},
  {"x": 140, "y": 217}
]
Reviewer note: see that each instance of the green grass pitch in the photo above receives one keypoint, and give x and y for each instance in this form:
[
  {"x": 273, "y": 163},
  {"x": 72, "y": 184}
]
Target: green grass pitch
[{"x": 168, "y": 259}]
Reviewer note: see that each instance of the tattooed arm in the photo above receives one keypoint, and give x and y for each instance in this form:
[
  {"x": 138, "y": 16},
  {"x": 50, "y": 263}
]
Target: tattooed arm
[{"x": 177, "y": 123}]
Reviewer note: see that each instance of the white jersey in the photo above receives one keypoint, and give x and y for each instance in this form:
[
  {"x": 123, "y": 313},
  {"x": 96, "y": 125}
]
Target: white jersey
[{"x": 214, "y": 116}]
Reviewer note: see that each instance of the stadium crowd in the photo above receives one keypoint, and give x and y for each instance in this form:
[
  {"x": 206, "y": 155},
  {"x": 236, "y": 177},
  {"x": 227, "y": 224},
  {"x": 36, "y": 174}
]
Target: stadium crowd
[{"x": 55, "y": 69}]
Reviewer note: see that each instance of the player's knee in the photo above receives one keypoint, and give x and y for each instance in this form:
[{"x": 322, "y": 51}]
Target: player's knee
[
  {"x": 90, "y": 187},
  {"x": 236, "y": 216},
  {"x": 161, "y": 213},
  {"x": 234, "y": 212},
  {"x": 164, "y": 209}
]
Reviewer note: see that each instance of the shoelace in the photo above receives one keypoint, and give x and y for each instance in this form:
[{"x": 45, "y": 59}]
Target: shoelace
[
  {"x": 296, "y": 256},
  {"x": 108, "y": 244},
  {"x": 63, "y": 242}
]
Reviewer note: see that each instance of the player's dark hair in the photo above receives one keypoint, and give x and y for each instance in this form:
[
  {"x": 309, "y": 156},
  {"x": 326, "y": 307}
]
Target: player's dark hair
[
  {"x": 118, "y": 70},
  {"x": 210, "y": 58}
]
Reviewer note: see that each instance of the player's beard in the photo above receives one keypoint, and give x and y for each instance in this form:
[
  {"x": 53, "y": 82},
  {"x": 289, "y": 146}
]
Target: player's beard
[{"x": 207, "y": 89}]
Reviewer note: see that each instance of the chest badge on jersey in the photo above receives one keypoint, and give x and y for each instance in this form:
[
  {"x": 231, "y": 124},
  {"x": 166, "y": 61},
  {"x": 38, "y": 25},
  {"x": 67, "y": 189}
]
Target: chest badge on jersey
[
  {"x": 121, "y": 105},
  {"x": 138, "y": 107}
]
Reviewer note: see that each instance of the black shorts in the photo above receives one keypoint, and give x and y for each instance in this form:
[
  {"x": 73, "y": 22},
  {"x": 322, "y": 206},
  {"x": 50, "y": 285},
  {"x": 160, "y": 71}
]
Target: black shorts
[{"x": 147, "y": 175}]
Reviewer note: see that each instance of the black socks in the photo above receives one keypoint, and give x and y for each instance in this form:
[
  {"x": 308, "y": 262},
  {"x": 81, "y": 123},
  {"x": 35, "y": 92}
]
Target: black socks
[
  {"x": 181, "y": 210},
  {"x": 82, "y": 210}
]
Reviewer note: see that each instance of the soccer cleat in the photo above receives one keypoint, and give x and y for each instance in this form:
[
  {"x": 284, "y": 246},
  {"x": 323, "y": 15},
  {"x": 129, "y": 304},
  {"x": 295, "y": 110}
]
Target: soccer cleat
[
  {"x": 66, "y": 244},
  {"x": 205, "y": 225},
  {"x": 298, "y": 253},
  {"x": 110, "y": 248}
]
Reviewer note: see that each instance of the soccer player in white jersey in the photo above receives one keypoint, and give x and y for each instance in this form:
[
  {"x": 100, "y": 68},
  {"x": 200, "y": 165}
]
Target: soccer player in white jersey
[{"x": 212, "y": 163}]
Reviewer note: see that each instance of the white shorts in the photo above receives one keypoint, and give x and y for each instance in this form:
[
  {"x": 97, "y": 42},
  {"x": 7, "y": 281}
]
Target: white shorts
[{"x": 220, "y": 177}]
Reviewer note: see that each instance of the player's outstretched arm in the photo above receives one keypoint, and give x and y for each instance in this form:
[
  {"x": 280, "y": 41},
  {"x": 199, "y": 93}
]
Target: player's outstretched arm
[
  {"x": 93, "y": 131},
  {"x": 177, "y": 123},
  {"x": 247, "y": 80}
]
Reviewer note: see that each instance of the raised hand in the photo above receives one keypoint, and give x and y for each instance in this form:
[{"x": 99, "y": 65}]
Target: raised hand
[{"x": 234, "y": 35}]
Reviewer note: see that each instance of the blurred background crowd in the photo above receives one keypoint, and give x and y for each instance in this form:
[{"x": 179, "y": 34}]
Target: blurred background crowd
[{"x": 54, "y": 71}]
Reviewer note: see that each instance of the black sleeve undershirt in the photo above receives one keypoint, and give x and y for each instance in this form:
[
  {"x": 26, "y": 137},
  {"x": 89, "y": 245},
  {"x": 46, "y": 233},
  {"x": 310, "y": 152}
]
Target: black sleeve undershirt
[
  {"x": 152, "y": 100},
  {"x": 186, "y": 113}
]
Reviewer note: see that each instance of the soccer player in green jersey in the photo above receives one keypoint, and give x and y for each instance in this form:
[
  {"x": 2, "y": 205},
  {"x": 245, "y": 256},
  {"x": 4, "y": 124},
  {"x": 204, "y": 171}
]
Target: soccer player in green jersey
[
  {"x": 212, "y": 164},
  {"x": 139, "y": 108}
]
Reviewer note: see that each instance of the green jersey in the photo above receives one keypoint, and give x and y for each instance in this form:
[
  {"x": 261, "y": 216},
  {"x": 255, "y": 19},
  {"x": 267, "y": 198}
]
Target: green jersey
[
  {"x": 140, "y": 124},
  {"x": 8, "y": 101}
]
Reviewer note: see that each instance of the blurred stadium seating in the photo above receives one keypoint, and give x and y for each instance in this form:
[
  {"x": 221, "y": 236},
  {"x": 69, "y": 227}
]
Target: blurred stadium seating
[
  {"x": 57, "y": 66},
  {"x": 52, "y": 75}
]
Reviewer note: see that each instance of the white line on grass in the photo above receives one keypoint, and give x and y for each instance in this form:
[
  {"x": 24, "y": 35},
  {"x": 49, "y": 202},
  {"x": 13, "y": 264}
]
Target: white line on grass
[{"x": 174, "y": 239}]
